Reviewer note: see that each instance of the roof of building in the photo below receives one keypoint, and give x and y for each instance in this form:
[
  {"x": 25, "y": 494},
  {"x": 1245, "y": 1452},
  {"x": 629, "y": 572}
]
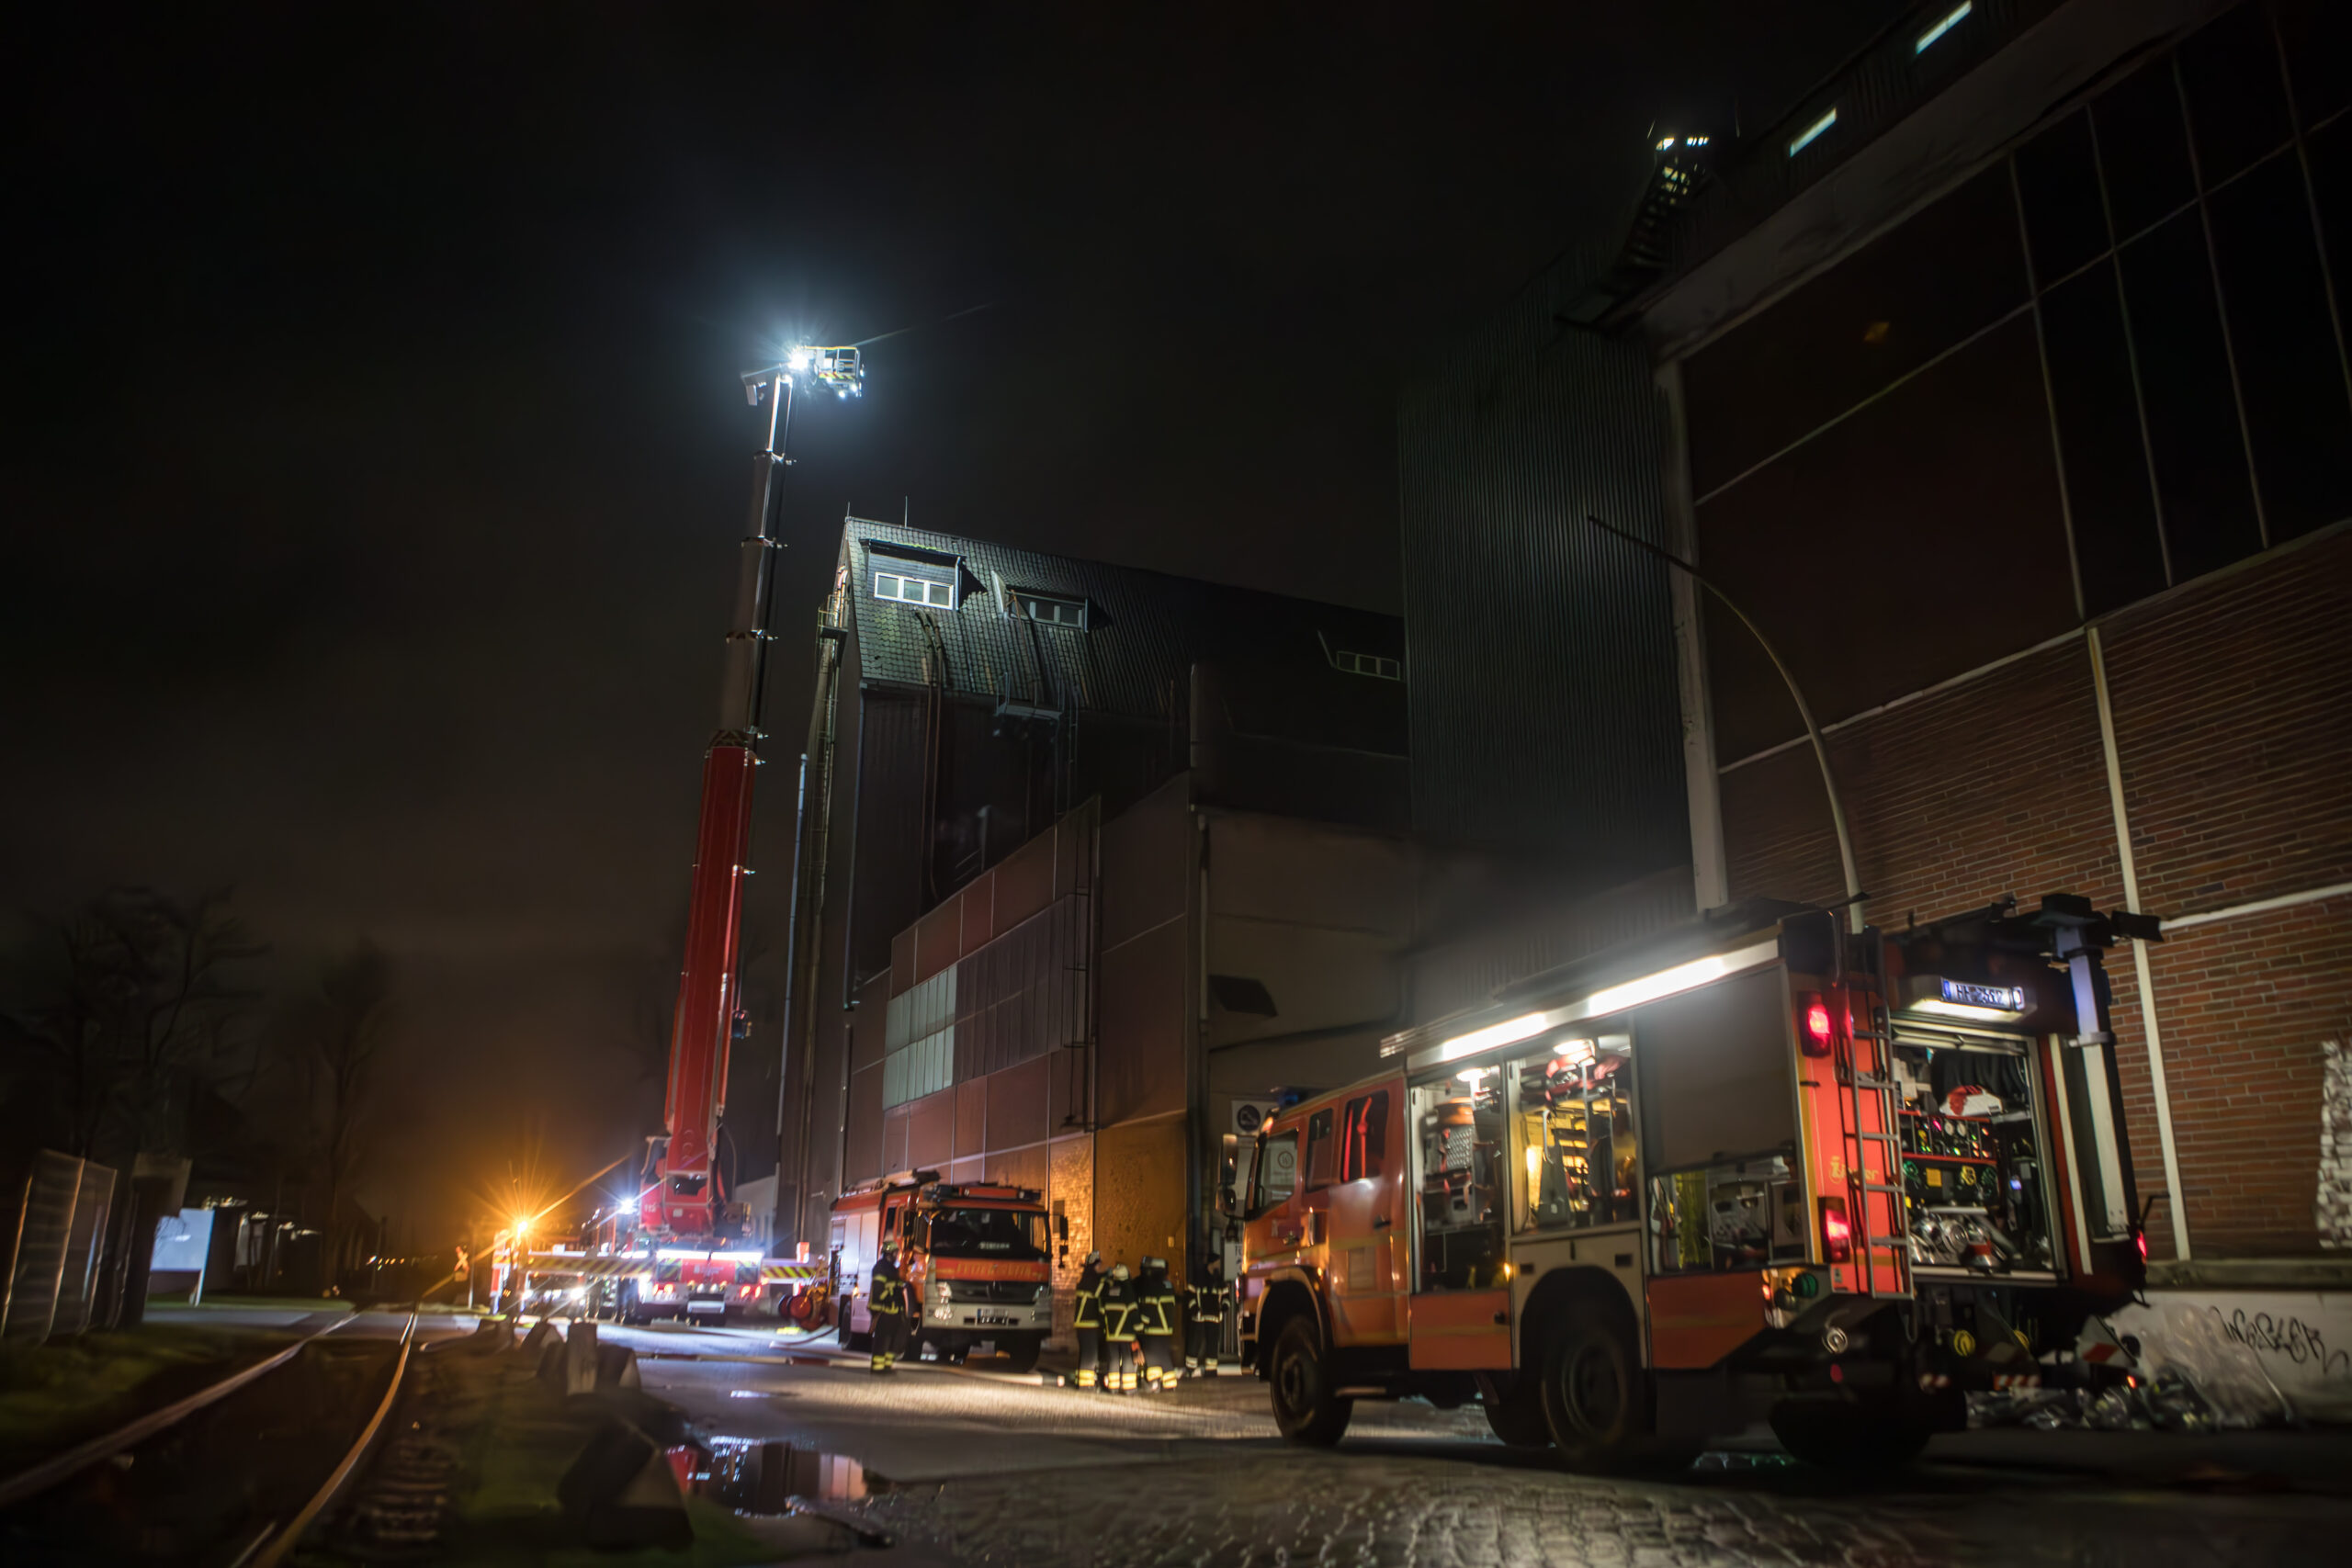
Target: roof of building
[
  {"x": 1139, "y": 633},
  {"x": 1940, "y": 89}
]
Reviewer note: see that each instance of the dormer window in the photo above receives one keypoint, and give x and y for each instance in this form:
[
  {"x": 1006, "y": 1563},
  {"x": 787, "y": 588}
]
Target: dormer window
[
  {"x": 1370, "y": 664},
  {"x": 914, "y": 582},
  {"x": 1053, "y": 611}
]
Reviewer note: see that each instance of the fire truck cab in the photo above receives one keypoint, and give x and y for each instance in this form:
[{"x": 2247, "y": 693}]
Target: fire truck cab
[
  {"x": 1755, "y": 1170},
  {"x": 977, "y": 1259}
]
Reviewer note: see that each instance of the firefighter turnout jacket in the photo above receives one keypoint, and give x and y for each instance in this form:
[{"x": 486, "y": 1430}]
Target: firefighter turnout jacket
[
  {"x": 1122, "y": 1308},
  {"x": 1087, "y": 1298},
  {"x": 885, "y": 1290},
  {"x": 1156, "y": 1308},
  {"x": 1204, "y": 1301}
]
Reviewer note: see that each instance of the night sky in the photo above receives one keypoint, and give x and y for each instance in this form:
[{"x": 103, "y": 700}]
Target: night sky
[{"x": 377, "y": 454}]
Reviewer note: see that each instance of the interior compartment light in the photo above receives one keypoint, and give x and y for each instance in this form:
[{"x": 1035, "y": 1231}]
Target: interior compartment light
[
  {"x": 1967, "y": 1000},
  {"x": 1504, "y": 1033},
  {"x": 1837, "y": 1232}
]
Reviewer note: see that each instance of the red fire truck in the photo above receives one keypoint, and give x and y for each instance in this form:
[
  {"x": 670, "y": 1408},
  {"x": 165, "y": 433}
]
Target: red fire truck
[
  {"x": 977, "y": 1259},
  {"x": 1757, "y": 1169}
]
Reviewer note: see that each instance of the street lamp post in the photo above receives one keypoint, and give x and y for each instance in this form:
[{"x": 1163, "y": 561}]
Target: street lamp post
[{"x": 1854, "y": 894}]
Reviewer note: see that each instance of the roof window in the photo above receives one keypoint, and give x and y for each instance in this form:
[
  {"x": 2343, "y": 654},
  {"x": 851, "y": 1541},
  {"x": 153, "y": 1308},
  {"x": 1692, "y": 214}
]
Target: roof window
[
  {"x": 1053, "y": 611},
  {"x": 1812, "y": 133},
  {"x": 1951, "y": 19},
  {"x": 1370, "y": 664}
]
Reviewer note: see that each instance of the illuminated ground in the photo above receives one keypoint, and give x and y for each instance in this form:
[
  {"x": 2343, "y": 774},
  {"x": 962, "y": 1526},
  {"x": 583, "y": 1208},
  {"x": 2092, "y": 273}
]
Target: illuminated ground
[{"x": 977, "y": 1469}]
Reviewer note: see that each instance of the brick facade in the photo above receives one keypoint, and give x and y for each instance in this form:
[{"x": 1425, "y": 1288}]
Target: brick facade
[{"x": 2233, "y": 703}]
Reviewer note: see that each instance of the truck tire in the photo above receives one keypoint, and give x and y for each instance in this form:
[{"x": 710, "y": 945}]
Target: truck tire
[
  {"x": 1593, "y": 1399},
  {"x": 841, "y": 1335},
  {"x": 1852, "y": 1439},
  {"x": 1306, "y": 1407},
  {"x": 1514, "y": 1412}
]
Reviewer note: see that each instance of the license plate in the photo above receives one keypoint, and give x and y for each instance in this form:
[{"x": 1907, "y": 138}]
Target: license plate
[{"x": 993, "y": 1319}]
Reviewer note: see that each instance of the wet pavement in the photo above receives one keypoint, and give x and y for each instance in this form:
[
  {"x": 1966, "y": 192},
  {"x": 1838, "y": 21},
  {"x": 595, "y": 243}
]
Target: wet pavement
[{"x": 966, "y": 1466}]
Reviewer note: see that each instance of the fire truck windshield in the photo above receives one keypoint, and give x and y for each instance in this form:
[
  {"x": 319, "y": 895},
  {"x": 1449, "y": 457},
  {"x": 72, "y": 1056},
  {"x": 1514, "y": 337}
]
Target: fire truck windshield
[{"x": 988, "y": 1232}]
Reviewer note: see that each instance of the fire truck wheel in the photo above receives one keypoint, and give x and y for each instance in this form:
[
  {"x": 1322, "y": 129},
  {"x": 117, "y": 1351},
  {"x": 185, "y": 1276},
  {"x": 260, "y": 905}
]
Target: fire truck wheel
[
  {"x": 1592, "y": 1395},
  {"x": 1514, "y": 1414},
  {"x": 1021, "y": 1355},
  {"x": 1306, "y": 1407},
  {"x": 1847, "y": 1438}
]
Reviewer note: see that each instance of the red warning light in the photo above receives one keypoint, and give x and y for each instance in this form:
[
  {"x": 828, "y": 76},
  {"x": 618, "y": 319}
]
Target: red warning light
[
  {"x": 1816, "y": 1027},
  {"x": 1837, "y": 1233}
]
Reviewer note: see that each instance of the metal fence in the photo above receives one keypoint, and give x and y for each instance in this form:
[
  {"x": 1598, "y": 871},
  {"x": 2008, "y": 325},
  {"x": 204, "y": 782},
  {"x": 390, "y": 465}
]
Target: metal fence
[{"x": 53, "y": 1268}]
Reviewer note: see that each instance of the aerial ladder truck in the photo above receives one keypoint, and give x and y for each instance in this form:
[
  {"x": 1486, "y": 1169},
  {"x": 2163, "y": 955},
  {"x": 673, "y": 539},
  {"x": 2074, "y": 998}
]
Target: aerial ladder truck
[{"x": 681, "y": 1248}]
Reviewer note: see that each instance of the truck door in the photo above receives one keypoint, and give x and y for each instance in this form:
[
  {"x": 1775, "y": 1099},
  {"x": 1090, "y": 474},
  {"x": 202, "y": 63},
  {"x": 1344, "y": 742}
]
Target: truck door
[
  {"x": 1368, "y": 1252},
  {"x": 1459, "y": 1312}
]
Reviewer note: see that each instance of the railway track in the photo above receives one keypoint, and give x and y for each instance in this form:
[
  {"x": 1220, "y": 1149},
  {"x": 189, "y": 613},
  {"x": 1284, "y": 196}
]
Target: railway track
[{"x": 234, "y": 1476}]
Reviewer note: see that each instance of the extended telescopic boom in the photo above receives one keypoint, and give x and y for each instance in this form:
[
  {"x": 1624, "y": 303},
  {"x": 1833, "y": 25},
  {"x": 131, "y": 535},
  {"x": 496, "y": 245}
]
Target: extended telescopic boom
[{"x": 683, "y": 1196}]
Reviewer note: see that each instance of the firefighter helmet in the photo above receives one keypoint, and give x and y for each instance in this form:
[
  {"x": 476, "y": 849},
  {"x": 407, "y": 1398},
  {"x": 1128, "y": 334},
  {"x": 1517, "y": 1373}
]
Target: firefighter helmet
[{"x": 1118, "y": 1270}]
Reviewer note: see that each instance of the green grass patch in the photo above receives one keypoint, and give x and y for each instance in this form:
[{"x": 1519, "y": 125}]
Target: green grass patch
[
  {"x": 73, "y": 1389},
  {"x": 257, "y": 1303}
]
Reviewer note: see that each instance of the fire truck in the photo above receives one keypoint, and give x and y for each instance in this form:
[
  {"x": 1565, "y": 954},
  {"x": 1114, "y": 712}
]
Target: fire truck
[
  {"x": 1755, "y": 1170},
  {"x": 977, "y": 1259}
]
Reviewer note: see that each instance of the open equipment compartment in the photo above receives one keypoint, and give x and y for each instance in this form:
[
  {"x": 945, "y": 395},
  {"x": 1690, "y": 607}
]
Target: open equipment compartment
[{"x": 1975, "y": 1153}]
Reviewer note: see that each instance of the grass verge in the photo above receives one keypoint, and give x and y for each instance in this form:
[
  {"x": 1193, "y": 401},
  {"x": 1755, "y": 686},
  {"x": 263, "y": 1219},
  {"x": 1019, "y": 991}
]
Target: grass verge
[{"x": 71, "y": 1390}]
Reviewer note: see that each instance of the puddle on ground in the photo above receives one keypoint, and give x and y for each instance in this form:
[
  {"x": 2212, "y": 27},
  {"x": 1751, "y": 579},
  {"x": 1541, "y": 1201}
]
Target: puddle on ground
[
  {"x": 755, "y": 1477},
  {"x": 1743, "y": 1459}
]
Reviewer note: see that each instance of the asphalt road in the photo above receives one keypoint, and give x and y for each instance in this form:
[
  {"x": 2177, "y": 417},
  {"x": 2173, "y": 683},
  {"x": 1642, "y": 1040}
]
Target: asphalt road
[{"x": 968, "y": 1467}]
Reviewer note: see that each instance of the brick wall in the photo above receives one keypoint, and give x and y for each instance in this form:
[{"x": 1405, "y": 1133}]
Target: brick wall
[
  {"x": 2234, "y": 723},
  {"x": 2233, "y": 718},
  {"x": 2244, "y": 1004},
  {"x": 1994, "y": 787}
]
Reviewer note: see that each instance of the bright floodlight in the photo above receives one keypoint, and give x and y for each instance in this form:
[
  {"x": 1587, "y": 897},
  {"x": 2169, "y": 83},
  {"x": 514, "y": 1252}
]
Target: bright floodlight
[{"x": 798, "y": 360}]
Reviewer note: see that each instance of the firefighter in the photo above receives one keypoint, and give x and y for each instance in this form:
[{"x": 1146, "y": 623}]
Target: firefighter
[
  {"x": 1121, "y": 1307},
  {"x": 1087, "y": 1318},
  {"x": 1157, "y": 1325},
  {"x": 1205, "y": 1318},
  {"x": 886, "y": 1301}
]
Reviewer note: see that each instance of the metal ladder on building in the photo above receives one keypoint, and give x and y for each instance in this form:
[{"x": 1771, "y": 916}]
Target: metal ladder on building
[{"x": 1869, "y": 1110}]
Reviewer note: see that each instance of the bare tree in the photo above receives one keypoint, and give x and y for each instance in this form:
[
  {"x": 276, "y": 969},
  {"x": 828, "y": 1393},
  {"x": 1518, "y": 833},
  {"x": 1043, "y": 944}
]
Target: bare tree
[{"x": 132, "y": 1005}]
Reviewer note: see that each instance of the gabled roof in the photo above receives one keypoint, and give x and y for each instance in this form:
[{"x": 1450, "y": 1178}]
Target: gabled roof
[{"x": 1144, "y": 632}]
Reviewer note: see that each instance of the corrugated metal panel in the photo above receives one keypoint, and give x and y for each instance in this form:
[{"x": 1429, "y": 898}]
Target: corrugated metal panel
[
  {"x": 1024, "y": 993},
  {"x": 1545, "y": 710},
  {"x": 1467, "y": 972}
]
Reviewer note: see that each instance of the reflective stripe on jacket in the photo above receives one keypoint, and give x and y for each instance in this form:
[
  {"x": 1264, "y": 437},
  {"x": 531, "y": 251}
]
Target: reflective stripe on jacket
[
  {"x": 1120, "y": 1308},
  {"x": 1157, "y": 1307},
  {"x": 1205, "y": 1303},
  {"x": 885, "y": 1292},
  {"x": 1087, "y": 1309}
]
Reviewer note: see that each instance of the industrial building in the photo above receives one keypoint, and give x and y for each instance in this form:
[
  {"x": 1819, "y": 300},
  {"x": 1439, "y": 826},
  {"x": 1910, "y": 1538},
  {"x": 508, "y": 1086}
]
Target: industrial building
[
  {"x": 2002, "y": 384},
  {"x": 1093, "y": 863}
]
